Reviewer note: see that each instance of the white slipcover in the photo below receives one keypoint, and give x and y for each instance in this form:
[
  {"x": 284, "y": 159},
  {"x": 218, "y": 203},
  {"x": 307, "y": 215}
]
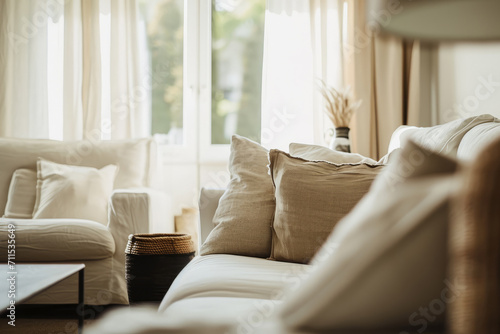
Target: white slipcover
[
  {"x": 133, "y": 208},
  {"x": 59, "y": 240},
  {"x": 235, "y": 277},
  {"x": 476, "y": 138}
]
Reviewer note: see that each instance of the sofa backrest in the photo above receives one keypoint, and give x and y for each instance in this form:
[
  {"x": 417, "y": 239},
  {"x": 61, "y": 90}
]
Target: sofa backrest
[
  {"x": 446, "y": 138},
  {"x": 476, "y": 139},
  {"x": 209, "y": 201},
  {"x": 135, "y": 158}
]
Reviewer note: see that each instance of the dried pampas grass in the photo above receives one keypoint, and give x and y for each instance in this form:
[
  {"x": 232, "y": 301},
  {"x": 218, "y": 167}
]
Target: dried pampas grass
[{"x": 339, "y": 105}]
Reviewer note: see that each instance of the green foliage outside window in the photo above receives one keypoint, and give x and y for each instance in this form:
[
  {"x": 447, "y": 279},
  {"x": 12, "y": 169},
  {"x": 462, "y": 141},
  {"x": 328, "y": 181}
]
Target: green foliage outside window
[
  {"x": 240, "y": 33},
  {"x": 165, "y": 32},
  {"x": 237, "y": 50}
]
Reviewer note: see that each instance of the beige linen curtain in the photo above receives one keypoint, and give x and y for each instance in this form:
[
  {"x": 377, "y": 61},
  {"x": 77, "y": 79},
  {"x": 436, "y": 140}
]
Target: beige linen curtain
[{"x": 383, "y": 72}]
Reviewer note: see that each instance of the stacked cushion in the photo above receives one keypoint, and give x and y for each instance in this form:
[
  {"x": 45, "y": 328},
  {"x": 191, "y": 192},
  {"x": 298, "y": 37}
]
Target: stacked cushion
[
  {"x": 321, "y": 153},
  {"x": 373, "y": 272},
  {"x": 311, "y": 197},
  {"x": 253, "y": 215}
]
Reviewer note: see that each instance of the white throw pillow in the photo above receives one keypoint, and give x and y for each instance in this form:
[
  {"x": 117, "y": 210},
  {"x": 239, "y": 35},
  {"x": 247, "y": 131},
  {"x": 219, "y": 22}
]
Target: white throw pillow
[
  {"x": 387, "y": 258},
  {"x": 22, "y": 194},
  {"x": 65, "y": 191},
  {"x": 321, "y": 153}
]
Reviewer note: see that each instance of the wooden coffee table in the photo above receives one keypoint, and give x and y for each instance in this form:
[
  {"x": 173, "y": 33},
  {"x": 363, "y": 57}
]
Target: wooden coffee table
[{"x": 23, "y": 281}]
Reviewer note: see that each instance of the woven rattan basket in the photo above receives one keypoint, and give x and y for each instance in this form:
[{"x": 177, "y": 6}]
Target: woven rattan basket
[
  {"x": 159, "y": 244},
  {"x": 152, "y": 263}
]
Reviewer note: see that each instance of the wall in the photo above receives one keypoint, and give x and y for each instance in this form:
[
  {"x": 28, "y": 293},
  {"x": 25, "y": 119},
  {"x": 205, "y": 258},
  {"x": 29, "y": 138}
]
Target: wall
[
  {"x": 468, "y": 80},
  {"x": 182, "y": 180}
]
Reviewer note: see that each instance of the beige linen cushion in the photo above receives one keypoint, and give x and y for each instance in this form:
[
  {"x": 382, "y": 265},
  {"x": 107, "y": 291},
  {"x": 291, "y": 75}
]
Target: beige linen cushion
[
  {"x": 245, "y": 212},
  {"x": 65, "y": 191},
  {"x": 388, "y": 257},
  {"x": 311, "y": 197},
  {"x": 22, "y": 194},
  {"x": 321, "y": 153}
]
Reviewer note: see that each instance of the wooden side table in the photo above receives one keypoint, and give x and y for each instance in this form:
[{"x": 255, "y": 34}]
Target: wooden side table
[{"x": 152, "y": 263}]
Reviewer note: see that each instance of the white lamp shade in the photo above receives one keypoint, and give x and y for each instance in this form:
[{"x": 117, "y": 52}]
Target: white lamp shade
[{"x": 441, "y": 20}]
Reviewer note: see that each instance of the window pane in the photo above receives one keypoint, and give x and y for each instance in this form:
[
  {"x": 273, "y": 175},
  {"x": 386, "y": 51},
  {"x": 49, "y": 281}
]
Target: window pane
[
  {"x": 164, "y": 21},
  {"x": 237, "y": 48}
]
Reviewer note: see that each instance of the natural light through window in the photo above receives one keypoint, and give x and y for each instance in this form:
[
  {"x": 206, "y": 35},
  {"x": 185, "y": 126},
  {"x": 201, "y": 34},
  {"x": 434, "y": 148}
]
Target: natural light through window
[
  {"x": 164, "y": 21},
  {"x": 237, "y": 49}
]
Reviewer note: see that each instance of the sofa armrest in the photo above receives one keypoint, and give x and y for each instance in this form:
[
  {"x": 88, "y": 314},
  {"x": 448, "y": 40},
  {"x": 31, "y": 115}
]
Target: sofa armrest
[
  {"x": 138, "y": 210},
  {"x": 209, "y": 201}
]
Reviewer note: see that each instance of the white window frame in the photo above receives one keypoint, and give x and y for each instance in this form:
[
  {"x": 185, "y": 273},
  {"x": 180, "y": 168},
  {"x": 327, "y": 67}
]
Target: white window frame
[
  {"x": 208, "y": 152},
  {"x": 197, "y": 148},
  {"x": 197, "y": 144},
  {"x": 186, "y": 152}
]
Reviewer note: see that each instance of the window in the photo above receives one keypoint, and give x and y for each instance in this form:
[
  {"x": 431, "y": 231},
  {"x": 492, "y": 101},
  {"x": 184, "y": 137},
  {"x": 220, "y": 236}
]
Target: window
[
  {"x": 164, "y": 31},
  {"x": 237, "y": 50}
]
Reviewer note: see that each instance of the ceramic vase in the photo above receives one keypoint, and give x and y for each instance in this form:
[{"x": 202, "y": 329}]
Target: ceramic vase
[{"x": 340, "y": 142}]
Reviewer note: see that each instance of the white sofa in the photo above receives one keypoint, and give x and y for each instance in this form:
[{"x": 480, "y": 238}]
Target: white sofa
[
  {"x": 134, "y": 207},
  {"x": 223, "y": 293},
  {"x": 221, "y": 285}
]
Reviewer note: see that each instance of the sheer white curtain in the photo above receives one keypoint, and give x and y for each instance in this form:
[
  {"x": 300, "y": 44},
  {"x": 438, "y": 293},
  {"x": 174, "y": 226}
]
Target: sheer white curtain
[
  {"x": 130, "y": 86},
  {"x": 72, "y": 127},
  {"x": 72, "y": 69},
  {"x": 92, "y": 70},
  {"x": 302, "y": 46},
  {"x": 23, "y": 70},
  {"x": 116, "y": 87}
]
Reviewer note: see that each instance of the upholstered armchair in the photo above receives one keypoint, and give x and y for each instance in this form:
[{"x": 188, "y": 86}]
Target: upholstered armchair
[{"x": 132, "y": 206}]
